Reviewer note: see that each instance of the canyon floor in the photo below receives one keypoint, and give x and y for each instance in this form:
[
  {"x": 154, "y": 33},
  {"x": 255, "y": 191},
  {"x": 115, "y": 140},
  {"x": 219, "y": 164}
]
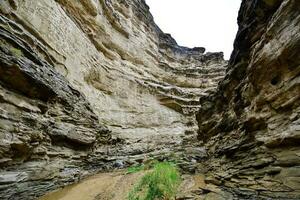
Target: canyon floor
[{"x": 115, "y": 186}]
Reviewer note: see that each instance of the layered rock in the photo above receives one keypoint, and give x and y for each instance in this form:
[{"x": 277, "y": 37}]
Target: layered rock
[
  {"x": 251, "y": 124},
  {"x": 91, "y": 85},
  {"x": 94, "y": 85}
]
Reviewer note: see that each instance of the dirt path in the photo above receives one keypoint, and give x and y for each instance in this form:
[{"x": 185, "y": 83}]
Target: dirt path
[
  {"x": 104, "y": 186},
  {"x": 116, "y": 186}
]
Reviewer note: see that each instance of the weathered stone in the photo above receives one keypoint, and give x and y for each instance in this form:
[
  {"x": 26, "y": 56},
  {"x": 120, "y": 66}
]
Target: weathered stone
[
  {"x": 250, "y": 124},
  {"x": 88, "y": 86},
  {"x": 12, "y": 177},
  {"x": 212, "y": 180},
  {"x": 77, "y": 134}
]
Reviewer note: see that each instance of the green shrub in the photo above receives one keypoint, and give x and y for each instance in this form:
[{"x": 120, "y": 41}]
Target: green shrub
[{"x": 160, "y": 183}]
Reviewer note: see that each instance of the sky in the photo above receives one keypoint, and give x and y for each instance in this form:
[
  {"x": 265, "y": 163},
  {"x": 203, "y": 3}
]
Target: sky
[{"x": 198, "y": 23}]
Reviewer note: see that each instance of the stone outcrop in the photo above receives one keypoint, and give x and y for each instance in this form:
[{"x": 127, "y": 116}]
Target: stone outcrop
[
  {"x": 251, "y": 125},
  {"x": 92, "y": 85}
]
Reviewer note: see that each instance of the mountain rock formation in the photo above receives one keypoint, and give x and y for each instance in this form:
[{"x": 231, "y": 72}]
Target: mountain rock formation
[
  {"x": 93, "y": 85},
  {"x": 251, "y": 125},
  {"x": 89, "y": 86}
]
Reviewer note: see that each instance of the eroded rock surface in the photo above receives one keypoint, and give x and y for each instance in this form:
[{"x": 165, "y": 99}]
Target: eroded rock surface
[
  {"x": 93, "y": 85},
  {"x": 250, "y": 126}
]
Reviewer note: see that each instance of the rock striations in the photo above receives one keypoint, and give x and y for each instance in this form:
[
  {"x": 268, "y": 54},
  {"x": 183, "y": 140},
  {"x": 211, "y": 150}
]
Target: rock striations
[
  {"x": 251, "y": 125},
  {"x": 91, "y": 85}
]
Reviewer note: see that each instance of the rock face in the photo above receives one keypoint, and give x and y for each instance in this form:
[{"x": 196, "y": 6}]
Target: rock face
[
  {"x": 91, "y": 85},
  {"x": 251, "y": 125}
]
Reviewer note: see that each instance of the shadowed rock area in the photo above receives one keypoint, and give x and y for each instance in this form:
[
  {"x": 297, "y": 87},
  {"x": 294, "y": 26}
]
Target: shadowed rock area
[
  {"x": 90, "y": 86},
  {"x": 250, "y": 126}
]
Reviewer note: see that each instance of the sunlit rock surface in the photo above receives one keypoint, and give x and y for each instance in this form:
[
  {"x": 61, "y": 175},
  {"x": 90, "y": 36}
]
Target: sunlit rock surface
[
  {"x": 92, "y": 85},
  {"x": 251, "y": 125}
]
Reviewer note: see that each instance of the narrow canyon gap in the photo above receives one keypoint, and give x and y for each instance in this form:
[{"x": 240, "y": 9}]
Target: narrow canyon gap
[
  {"x": 211, "y": 24},
  {"x": 93, "y": 85}
]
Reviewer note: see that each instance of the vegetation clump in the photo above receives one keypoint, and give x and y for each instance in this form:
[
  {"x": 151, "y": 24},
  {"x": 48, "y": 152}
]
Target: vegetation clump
[
  {"x": 135, "y": 169},
  {"x": 160, "y": 183},
  {"x": 16, "y": 52}
]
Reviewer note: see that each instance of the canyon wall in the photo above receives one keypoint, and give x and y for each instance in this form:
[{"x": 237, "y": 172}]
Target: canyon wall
[
  {"x": 251, "y": 125},
  {"x": 92, "y": 85}
]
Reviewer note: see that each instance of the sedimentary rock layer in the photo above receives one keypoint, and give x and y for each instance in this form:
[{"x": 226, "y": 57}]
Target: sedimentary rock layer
[
  {"x": 90, "y": 85},
  {"x": 251, "y": 125}
]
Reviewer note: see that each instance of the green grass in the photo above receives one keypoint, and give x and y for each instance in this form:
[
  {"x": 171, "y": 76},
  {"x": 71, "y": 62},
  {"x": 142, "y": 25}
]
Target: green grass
[
  {"x": 134, "y": 169},
  {"x": 160, "y": 183}
]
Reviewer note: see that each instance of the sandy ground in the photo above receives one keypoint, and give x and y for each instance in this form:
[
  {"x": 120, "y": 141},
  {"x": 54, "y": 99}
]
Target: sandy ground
[
  {"x": 116, "y": 186},
  {"x": 104, "y": 186}
]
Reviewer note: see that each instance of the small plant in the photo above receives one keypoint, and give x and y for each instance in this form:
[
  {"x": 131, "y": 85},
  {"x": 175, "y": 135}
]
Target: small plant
[
  {"x": 160, "y": 183},
  {"x": 149, "y": 164},
  {"x": 16, "y": 52},
  {"x": 134, "y": 169}
]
